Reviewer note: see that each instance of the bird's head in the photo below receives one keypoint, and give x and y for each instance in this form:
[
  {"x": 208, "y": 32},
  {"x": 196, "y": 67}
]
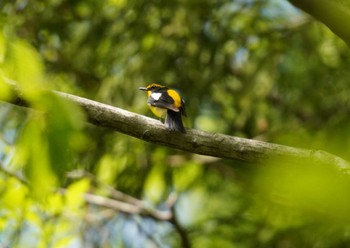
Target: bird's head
[{"x": 152, "y": 87}]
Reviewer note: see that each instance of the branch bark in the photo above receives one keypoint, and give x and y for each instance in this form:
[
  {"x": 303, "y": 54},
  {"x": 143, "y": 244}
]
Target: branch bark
[{"x": 194, "y": 141}]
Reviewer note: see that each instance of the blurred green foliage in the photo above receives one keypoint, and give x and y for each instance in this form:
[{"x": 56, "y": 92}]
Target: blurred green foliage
[{"x": 255, "y": 69}]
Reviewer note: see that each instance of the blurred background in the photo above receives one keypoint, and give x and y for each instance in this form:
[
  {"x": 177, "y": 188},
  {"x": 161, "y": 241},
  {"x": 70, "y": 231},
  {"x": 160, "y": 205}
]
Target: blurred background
[{"x": 249, "y": 68}]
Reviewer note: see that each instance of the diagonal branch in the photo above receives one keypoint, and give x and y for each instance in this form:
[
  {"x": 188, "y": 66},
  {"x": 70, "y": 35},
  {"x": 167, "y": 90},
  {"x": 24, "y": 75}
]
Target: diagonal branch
[
  {"x": 194, "y": 141},
  {"x": 185, "y": 240},
  {"x": 9, "y": 173},
  {"x": 334, "y": 14}
]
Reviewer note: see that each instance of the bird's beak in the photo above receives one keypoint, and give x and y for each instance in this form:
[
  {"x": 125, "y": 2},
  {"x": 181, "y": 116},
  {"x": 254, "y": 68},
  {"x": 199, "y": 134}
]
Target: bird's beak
[{"x": 143, "y": 88}]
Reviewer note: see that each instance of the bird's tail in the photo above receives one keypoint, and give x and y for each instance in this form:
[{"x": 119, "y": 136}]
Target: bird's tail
[{"x": 173, "y": 121}]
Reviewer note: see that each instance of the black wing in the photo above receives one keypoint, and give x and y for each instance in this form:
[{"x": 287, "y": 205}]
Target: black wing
[
  {"x": 163, "y": 101},
  {"x": 182, "y": 108}
]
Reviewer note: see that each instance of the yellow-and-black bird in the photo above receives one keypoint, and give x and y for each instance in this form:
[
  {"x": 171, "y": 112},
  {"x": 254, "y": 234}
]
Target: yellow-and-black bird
[{"x": 167, "y": 104}]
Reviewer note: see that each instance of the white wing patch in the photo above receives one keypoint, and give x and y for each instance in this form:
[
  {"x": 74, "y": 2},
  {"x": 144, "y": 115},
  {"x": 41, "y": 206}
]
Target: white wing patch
[{"x": 156, "y": 96}]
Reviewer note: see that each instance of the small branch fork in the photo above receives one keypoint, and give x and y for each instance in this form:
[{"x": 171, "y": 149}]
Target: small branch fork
[
  {"x": 120, "y": 202},
  {"x": 127, "y": 204},
  {"x": 138, "y": 207}
]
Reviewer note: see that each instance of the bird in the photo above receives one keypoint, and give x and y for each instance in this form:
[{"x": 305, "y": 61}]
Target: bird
[{"x": 166, "y": 104}]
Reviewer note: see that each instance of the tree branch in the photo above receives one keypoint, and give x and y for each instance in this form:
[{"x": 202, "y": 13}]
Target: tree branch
[
  {"x": 125, "y": 207},
  {"x": 194, "y": 141},
  {"x": 185, "y": 241},
  {"x": 335, "y": 14},
  {"x": 125, "y": 203}
]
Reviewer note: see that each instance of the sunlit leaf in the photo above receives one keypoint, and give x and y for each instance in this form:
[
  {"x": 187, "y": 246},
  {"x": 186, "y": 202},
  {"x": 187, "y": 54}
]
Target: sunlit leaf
[
  {"x": 185, "y": 175},
  {"x": 64, "y": 242},
  {"x": 107, "y": 169},
  {"x": 314, "y": 190},
  {"x": 34, "y": 156},
  {"x": 5, "y": 88},
  {"x": 14, "y": 195},
  {"x": 64, "y": 121},
  {"x": 26, "y": 69},
  {"x": 155, "y": 185},
  {"x": 74, "y": 196},
  {"x": 54, "y": 203}
]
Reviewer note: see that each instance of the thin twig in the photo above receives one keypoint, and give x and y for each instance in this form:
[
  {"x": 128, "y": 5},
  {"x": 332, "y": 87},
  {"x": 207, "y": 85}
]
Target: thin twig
[
  {"x": 9, "y": 173},
  {"x": 115, "y": 194},
  {"x": 125, "y": 207},
  {"x": 180, "y": 230}
]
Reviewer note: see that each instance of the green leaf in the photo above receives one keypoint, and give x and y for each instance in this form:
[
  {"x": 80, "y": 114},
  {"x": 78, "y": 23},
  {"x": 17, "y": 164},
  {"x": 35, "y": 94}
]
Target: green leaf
[
  {"x": 155, "y": 185},
  {"x": 34, "y": 156},
  {"x": 74, "y": 196},
  {"x": 186, "y": 174}
]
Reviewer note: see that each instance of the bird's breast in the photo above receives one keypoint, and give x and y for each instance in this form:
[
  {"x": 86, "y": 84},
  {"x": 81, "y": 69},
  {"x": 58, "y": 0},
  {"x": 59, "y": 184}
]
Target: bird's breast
[{"x": 159, "y": 112}]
